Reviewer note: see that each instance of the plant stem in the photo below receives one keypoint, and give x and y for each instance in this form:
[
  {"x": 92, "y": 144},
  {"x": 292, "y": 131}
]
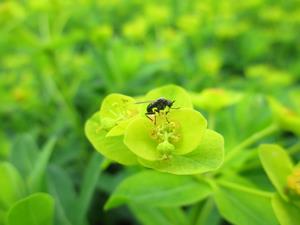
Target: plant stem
[
  {"x": 211, "y": 120},
  {"x": 104, "y": 164},
  {"x": 294, "y": 149},
  {"x": 250, "y": 141},
  {"x": 244, "y": 188}
]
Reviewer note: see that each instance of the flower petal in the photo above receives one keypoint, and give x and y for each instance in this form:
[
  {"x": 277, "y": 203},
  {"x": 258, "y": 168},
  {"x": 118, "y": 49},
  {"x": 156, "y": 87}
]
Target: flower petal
[
  {"x": 138, "y": 139},
  {"x": 111, "y": 147},
  {"x": 192, "y": 126},
  {"x": 208, "y": 156}
]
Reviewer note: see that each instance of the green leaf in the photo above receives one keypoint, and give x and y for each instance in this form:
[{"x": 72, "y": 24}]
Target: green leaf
[
  {"x": 159, "y": 215},
  {"x": 286, "y": 212},
  {"x": 2, "y": 217},
  {"x": 36, "y": 177},
  {"x": 4, "y": 146},
  {"x": 208, "y": 156},
  {"x": 112, "y": 148},
  {"x": 173, "y": 93},
  {"x": 208, "y": 215},
  {"x": 139, "y": 135},
  {"x": 24, "y": 153},
  {"x": 88, "y": 187},
  {"x": 37, "y": 209},
  {"x": 176, "y": 215},
  {"x": 277, "y": 164},
  {"x": 149, "y": 215},
  {"x": 158, "y": 189},
  {"x": 244, "y": 206},
  {"x": 61, "y": 188},
  {"x": 11, "y": 185}
]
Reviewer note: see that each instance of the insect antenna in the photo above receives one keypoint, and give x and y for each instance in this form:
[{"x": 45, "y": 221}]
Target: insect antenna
[{"x": 174, "y": 107}]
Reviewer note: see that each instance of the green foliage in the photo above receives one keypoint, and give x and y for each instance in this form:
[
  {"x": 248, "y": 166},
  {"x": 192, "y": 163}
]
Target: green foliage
[
  {"x": 158, "y": 189},
  {"x": 11, "y": 185},
  {"x": 277, "y": 165},
  {"x": 231, "y": 137},
  {"x": 287, "y": 213},
  {"x": 36, "y": 209},
  {"x": 254, "y": 206}
]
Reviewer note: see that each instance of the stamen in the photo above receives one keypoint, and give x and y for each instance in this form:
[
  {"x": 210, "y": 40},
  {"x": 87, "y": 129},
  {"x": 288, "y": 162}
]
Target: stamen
[{"x": 166, "y": 134}]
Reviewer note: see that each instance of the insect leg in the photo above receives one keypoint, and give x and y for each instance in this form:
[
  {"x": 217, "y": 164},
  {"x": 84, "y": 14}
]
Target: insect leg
[
  {"x": 147, "y": 114},
  {"x": 167, "y": 119},
  {"x": 167, "y": 114}
]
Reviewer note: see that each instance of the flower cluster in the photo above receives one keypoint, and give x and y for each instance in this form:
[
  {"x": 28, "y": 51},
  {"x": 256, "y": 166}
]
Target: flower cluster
[
  {"x": 293, "y": 181},
  {"x": 173, "y": 139}
]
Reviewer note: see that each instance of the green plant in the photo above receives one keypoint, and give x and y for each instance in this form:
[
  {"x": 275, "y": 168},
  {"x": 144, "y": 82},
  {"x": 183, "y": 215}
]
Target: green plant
[
  {"x": 239, "y": 61},
  {"x": 187, "y": 161}
]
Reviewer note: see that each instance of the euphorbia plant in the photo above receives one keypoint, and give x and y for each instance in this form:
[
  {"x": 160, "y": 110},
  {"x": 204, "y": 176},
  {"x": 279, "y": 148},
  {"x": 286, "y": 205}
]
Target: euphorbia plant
[
  {"x": 286, "y": 179},
  {"x": 176, "y": 140},
  {"x": 179, "y": 161}
]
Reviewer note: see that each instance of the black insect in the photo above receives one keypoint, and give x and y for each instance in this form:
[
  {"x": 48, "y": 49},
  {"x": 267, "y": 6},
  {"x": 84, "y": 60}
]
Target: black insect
[{"x": 157, "y": 105}]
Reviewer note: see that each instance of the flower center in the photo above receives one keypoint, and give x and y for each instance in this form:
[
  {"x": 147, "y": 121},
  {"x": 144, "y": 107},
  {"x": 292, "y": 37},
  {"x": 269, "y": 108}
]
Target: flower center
[{"x": 166, "y": 133}]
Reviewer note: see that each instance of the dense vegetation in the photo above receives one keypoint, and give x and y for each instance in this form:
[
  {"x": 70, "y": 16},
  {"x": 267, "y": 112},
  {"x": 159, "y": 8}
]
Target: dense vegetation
[{"x": 239, "y": 63}]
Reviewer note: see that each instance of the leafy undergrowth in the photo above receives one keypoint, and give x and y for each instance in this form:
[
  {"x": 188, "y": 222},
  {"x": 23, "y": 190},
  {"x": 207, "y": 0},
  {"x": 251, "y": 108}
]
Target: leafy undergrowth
[{"x": 225, "y": 149}]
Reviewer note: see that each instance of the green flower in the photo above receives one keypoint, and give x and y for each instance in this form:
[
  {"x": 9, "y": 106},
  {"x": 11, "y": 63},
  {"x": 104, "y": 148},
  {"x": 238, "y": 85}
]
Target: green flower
[
  {"x": 207, "y": 156},
  {"x": 293, "y": 181},
  {"x": 269, "y": 76},
  {"x": 215, "y": 99},
  {"x": 189, "y": 23},
  {"x": 136, "y": 29},
  {"x": 179, "y": 132},
  {"x": 210, "y": 62},
  {"x": 173, "y": 140},
  {"x": 285, "y": 118},
  {"x": 176, "y": 141},
  {"x": 106, "y": 127},
  {"x": 116, "y": 112},
  {"x": 285, "y": 178}
]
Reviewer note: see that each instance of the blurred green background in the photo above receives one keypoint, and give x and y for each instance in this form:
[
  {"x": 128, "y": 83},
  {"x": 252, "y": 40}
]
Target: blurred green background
[{"x": 59, "y": 58}]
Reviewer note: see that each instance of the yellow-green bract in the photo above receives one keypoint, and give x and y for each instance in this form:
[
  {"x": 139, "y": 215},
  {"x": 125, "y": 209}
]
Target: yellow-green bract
[
  {"x": 280, "y": 168},
  {"x": 285, "y": 118},
  {"x": 175, "y": 141}
]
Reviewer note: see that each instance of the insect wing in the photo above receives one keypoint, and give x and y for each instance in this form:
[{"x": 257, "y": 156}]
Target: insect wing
[{"x": 144, "y": 102}]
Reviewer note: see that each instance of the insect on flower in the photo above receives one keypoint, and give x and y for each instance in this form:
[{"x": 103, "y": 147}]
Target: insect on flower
[{"x": 156, "y": 106}]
